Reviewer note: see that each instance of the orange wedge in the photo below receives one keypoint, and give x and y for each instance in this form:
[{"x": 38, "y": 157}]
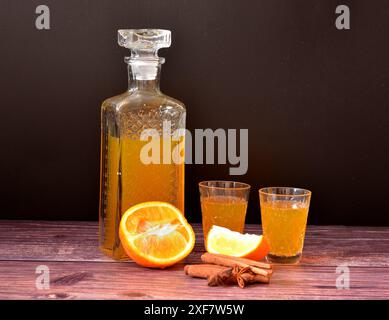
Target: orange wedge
[
  {"x": 156, "y": 234},
  {"x": 224, "y": 241}
]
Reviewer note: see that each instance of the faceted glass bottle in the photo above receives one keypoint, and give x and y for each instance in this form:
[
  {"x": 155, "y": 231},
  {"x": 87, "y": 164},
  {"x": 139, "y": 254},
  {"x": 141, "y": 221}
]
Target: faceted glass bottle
[{"x": 125, "y": 179}]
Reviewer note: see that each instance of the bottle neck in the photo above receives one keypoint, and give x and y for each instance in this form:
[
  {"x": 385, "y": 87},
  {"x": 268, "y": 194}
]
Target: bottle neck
[{"x": 143, "y": 75}]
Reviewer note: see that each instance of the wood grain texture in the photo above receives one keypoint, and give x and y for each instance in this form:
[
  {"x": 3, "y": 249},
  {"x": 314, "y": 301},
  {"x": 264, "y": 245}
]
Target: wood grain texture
[{"x": 79, "y": 271}]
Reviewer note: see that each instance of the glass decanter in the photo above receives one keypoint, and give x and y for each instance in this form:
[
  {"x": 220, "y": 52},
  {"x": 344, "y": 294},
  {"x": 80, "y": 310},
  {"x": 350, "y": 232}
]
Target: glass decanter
[{"x": 125, "y": 178}]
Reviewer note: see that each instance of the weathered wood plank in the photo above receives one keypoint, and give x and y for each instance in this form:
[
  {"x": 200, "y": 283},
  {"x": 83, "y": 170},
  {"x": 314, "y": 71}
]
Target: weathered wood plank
[
  {"x": 79, "y": 271},
  {"x": 94, "y": 280},
  {"x": 77, "y": 241}
]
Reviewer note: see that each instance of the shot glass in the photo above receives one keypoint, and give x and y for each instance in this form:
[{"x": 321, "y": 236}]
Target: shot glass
[
  {"x": 223, "y": 203},
  {"x": 284, "y": 213}
]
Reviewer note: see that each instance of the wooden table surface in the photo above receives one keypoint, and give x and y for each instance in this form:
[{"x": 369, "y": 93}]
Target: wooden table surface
[{"x": 79, "y": 271}]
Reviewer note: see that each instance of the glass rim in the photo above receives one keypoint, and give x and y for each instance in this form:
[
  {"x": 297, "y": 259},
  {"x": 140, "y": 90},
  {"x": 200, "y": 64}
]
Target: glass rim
[
  {"x": 242, "y": 185},
  {"x": 266, "y": 191}
]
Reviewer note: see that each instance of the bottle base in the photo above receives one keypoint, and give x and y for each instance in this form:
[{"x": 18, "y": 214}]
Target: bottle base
[{"x": 118, "y": 255}]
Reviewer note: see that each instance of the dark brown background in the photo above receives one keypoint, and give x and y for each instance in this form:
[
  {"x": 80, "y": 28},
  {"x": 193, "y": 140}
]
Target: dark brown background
[{"x": 315, "y": 99}]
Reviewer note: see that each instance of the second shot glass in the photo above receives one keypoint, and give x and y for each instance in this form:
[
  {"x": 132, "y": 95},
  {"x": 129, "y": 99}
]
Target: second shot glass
[
  {"x": 284, "y": 214},
  {"x": 224, "y": 204}
]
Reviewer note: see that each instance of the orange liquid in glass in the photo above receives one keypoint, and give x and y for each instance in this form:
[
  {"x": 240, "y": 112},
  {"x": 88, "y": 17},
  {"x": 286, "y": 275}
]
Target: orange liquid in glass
[
  {"x": 223, "y": 211},
  {"x": 284, "y": 224}
]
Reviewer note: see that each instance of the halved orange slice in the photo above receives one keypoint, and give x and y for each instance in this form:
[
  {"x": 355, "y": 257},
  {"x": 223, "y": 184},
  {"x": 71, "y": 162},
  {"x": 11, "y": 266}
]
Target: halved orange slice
[
  {"x": 224, "y": 241},
  {"x": 156, "y": 234}
]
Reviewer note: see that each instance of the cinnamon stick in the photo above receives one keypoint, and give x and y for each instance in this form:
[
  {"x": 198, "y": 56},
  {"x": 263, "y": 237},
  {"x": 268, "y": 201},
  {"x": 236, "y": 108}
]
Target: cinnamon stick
[
  {"x": 256, "y": 267},
  {"x": 250, "y": 262},
  {"x": 203, "y": 270}
]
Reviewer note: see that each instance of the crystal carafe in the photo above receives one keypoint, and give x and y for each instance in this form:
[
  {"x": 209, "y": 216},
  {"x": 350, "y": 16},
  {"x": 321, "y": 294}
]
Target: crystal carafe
[{"x": 125, "y": 178}]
